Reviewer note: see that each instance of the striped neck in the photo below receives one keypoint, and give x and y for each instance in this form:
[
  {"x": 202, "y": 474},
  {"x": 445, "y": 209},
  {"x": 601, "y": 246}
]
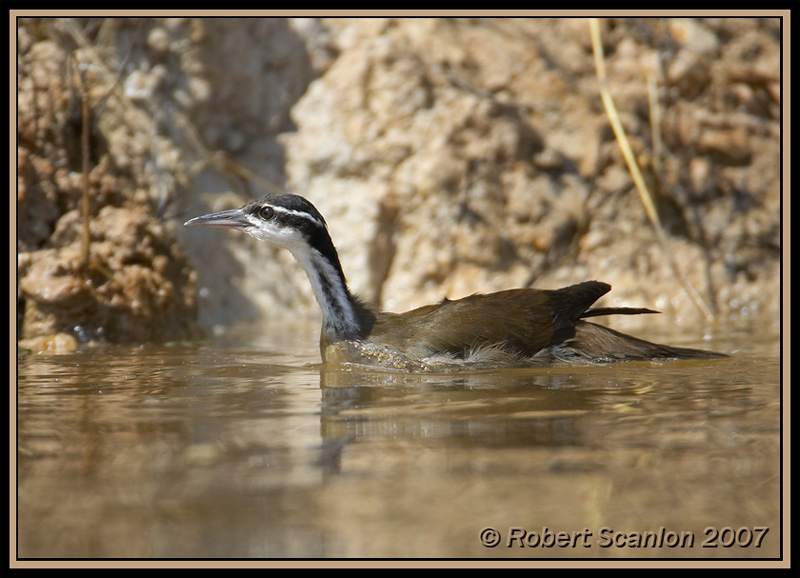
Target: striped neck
[{"x": 341, "y": 312}]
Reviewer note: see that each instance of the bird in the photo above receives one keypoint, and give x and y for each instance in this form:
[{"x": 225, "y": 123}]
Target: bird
[{"x": 513, "y": 327}]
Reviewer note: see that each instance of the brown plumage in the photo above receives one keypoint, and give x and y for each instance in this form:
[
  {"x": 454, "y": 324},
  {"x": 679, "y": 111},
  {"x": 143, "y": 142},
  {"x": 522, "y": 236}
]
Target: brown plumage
[{"x": 513, "y": 327}]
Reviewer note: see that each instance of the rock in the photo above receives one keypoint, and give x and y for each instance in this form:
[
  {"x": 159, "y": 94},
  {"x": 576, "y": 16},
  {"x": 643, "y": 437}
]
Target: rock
[
  {"x": 49, "y": 344},
  {"x": 136, "y": 285},
  {"x": 449, "y": 156}
]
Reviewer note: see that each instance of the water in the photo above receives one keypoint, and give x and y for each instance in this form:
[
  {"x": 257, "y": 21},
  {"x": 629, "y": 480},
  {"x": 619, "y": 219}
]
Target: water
[{"x": 244, "y": 451}]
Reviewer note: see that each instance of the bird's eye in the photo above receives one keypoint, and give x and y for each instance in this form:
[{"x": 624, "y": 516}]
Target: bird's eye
[{"x": 266, "y": 213}]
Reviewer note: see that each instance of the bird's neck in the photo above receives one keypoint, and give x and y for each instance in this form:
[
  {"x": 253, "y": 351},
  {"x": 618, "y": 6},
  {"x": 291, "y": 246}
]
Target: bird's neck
[{"x": 343, "y": 316}]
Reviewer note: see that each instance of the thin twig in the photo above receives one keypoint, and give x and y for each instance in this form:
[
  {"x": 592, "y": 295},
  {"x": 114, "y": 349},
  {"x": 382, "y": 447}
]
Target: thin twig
[
  {"x": 655, "y": 125},
  {"x": 86, "y": 201},
  {"x": 633, "y": 168}
]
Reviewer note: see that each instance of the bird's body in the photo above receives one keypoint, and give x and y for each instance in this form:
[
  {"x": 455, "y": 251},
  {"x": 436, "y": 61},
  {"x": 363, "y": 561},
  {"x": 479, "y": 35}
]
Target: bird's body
[{"x": 512, "y": 327}]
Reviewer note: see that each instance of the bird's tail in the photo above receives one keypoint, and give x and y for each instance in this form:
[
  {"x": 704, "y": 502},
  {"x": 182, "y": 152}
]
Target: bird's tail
[
  {"x": 599, "y": 311},
  {"x": 597, "y": 343}
]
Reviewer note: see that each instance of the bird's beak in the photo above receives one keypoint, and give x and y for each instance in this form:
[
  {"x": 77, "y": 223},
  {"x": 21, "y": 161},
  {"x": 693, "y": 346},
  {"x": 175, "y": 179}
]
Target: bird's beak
[{"x": 231, "y": 219}]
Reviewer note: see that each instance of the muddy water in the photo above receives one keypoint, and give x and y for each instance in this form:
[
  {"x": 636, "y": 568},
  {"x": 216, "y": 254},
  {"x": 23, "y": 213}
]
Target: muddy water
[{"x": 231, "y": 450}]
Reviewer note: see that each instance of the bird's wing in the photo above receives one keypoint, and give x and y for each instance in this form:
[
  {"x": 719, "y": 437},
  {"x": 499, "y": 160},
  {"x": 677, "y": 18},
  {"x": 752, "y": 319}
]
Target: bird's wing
[
  {"x": 516, "y": 320},
  {"x": 519, "y": 321}
]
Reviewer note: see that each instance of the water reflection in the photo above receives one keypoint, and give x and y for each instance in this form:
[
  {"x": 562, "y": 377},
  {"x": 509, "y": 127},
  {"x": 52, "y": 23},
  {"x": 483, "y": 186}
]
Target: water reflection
[
  {"x": 526, "y": 407},
  {"x": 210, "y": 451}
]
